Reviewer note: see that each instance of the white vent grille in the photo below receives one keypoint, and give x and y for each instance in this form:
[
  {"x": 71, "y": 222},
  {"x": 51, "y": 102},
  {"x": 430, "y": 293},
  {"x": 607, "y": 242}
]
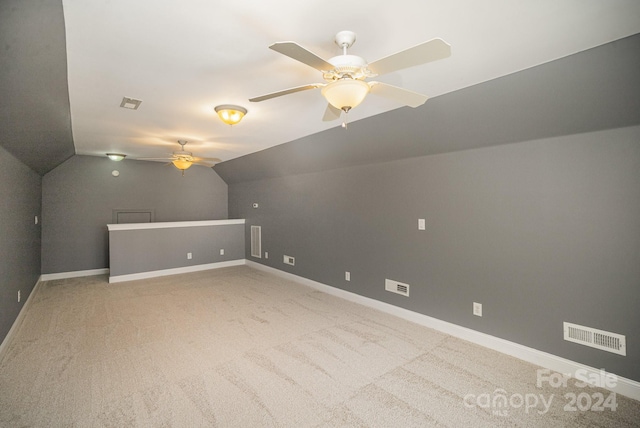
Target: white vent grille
[
  {"x": 256, "y": 241},
  {"x": 396, "y": 287},
  {"x": 595, "y": 338},
  {"x": 130, "y": 103}
]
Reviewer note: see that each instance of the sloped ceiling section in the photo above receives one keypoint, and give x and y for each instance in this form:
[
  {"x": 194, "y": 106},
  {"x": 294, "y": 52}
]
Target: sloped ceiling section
[
  {"x": 592, "y": 90},
  {"x": 35, "y": 117}
]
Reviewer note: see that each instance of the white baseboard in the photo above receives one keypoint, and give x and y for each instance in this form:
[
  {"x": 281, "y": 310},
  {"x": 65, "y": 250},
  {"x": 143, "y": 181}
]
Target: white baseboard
[
  {"x": 75, "y": 274},
  {"x": 14, "y": 327},
  {"x": 174, "y": 271},
  {"x": 623, "y": 386}
]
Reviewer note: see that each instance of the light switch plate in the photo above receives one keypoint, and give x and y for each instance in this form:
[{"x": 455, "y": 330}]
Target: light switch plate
[{"x": 477, "y": 309}]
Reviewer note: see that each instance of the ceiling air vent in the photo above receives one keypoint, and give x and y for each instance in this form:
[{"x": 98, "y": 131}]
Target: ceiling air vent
[
  {"x": 595, "y": 338},
  {"x": 130, "y": 103}
]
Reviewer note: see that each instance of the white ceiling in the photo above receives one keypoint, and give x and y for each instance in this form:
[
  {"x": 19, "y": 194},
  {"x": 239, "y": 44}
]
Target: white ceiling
[{"x": 182, "y": 58}]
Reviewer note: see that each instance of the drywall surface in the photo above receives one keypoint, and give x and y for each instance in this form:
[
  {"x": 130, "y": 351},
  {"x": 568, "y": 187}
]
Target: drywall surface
[
  {"x": 35, "y": 116},
  {"x": 538, "y": 232},
  {"x": 80, "y": 196},
  {"x": 20, "y": 190},
  {"x": 135, "y": 251},
  {"x": 590, "y": 91}
]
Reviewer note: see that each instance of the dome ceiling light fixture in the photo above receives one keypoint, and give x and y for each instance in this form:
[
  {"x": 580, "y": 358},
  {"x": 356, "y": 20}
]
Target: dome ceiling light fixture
[
  {"x": 116, "y": 156},
  {"x": 230, "y": 114}
]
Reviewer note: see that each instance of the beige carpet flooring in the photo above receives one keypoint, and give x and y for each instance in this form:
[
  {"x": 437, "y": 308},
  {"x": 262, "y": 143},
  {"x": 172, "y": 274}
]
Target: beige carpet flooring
[{"x": 237, "y": 347}]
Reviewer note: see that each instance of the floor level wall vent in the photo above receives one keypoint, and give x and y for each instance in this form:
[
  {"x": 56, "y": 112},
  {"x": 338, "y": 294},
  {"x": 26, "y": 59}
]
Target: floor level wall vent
[
  {"x": 599, "y": 339},
  {"x": 396, "y": 287}
]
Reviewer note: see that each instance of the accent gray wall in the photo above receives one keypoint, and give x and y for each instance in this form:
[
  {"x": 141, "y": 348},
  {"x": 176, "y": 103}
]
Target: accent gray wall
[
  {"x": 79, "y": 196},
  {"x": 20, "y": 193},
  {"x": 148, "y": 250},
  {"x": 586, "y": 92},
  {"x": 539, "y": 232},
  {"x": 35, "y": 117}
]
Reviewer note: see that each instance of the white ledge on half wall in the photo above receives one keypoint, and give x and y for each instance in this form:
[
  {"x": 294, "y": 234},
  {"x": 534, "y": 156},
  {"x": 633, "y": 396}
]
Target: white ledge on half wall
[{"x": 172, "y": 224}]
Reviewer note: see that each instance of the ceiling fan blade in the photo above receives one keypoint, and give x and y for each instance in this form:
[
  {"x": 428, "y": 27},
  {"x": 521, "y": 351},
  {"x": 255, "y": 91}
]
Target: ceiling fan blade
[
  {"x": 285, "y": 92},
  {"x": 199, "y": 159},
  {"x": 401, "y": 95},
  {"x": 423, "y": 53},
  {"x": 331, "y": 113},
  {"x": 207, "y": 164},
  {"x": 305, "y": 56}
]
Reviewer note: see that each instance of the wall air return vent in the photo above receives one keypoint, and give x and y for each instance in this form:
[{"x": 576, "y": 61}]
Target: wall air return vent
[
  {"x": 396, "y": 287},
  {"x": 256, "y": 241},
  {"x": 595, "y": 338}
]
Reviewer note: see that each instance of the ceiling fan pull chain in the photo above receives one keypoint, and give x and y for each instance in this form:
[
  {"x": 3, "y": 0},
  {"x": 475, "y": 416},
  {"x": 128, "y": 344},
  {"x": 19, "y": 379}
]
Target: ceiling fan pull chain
[{"x": 344, "y": 121}]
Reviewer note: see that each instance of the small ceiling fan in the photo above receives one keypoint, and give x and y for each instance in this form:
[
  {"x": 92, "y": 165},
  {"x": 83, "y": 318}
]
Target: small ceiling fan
[
  {"x": 183, "y": 159},
  {"x": 345, "y": 75}
]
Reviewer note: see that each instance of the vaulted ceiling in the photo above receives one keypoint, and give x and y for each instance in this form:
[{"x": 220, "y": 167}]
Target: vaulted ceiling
[{"x": 67, "y": 64}]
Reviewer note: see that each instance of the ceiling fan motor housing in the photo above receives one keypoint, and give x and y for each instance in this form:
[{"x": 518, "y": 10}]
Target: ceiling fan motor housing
[{"x": 347, "y": 66}]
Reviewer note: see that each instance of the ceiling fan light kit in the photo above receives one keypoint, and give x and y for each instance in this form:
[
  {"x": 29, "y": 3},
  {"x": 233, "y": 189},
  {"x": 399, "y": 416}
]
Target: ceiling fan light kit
[
  {"x": 230, "y": 114},
  {"x": 183, "y": 159},
  {"x": 345, "y": 74},
  {"x": 345, "y": 94},
  {"x": 182, "y": 163}
]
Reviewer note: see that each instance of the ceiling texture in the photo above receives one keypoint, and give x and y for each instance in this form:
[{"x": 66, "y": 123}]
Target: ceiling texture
[{"x": 66, "y": 66}]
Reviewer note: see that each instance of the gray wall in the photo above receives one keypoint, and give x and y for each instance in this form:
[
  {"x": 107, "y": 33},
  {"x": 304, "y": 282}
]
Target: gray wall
[
  {"x": 539, "y": 232},
  {"x": 148, "y": 250},
  {"x": 20, "y": 190},
  {"x": 35, "y": 118},
  {"x": 592, "y": 90},
  {"x": 79, "y": 196}
]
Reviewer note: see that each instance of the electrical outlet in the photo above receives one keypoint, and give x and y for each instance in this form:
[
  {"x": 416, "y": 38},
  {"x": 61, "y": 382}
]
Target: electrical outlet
[
  {"x": 477, "y": 309},
  {"x": 36, "y": 219},
  {"x": 289, "y": 260},
  {"x": 347, "y": 276},
  {"x": 266, "y": 255},
  {"x": 222, "y": 251},
  {"x": 18, "y": 296},
  {"x": 421, "y": 224},
  {"x": 189, "y": 256}
]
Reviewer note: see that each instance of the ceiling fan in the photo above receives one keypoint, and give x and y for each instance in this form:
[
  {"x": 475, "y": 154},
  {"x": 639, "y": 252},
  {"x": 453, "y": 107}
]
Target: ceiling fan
[
  {"x": 183, "y": 159},
  {"x": 345, "y": 75}
]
